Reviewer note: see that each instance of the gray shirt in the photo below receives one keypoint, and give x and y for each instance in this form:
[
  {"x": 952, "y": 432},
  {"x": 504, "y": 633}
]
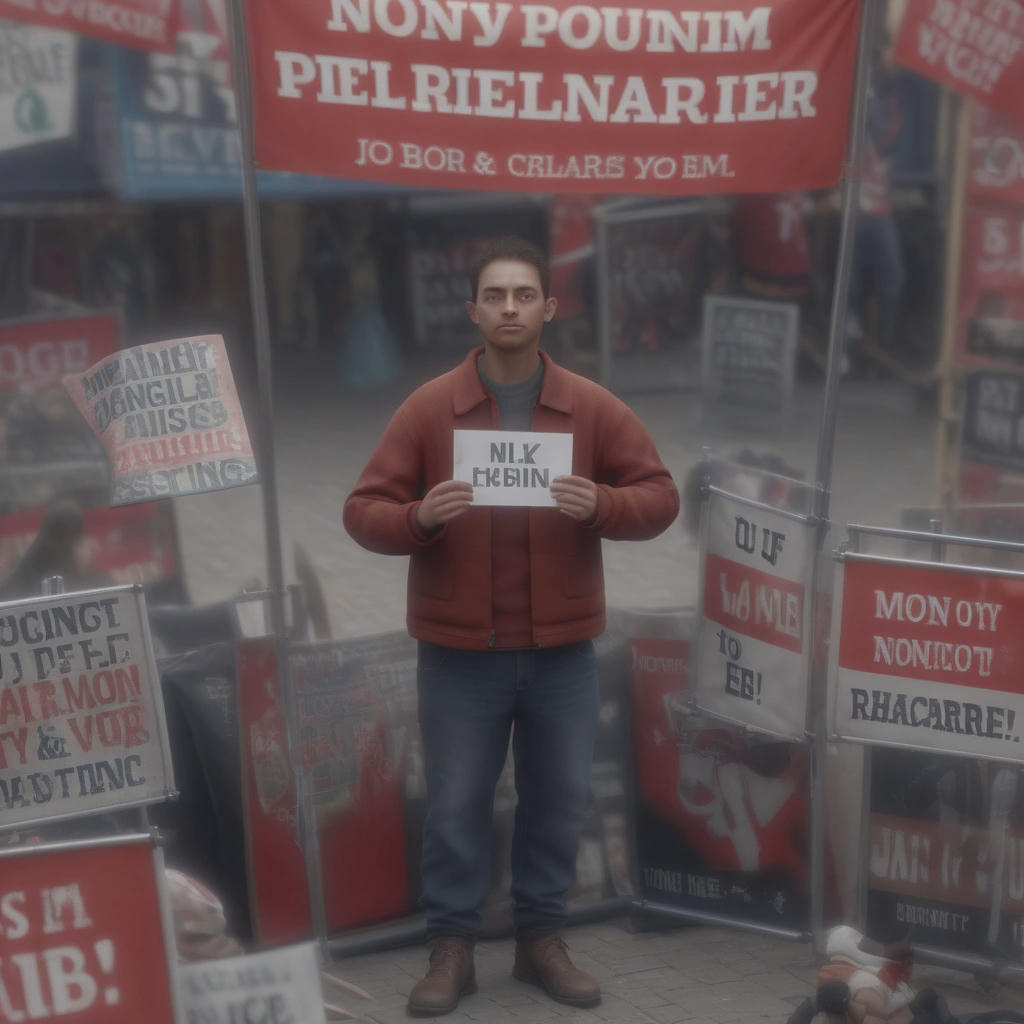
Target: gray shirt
[{"x": 515, "y": 401}]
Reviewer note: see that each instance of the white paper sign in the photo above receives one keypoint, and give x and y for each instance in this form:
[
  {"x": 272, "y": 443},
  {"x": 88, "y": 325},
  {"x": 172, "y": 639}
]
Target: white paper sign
[
  {"x": 279, "y": 986},
  {"x": 510, "y": 467},
  {"x": 752, "y": 643}
]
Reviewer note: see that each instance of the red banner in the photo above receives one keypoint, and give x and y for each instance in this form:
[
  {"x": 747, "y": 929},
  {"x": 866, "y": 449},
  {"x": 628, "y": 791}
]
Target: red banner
[
  {"x": 82, "y": 936},
  {"x": 144, "y": 24},
  {"x": 974, "y": 47},
  {"x": 559, "y": 97}
]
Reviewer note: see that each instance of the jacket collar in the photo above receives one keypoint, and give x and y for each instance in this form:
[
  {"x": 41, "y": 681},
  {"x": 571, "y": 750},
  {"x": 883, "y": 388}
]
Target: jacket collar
[{"x": 468, "y": 391}]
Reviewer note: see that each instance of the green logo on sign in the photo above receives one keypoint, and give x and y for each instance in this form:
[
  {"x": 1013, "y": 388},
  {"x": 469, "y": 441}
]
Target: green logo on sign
[{"x": 30, "y": 113}]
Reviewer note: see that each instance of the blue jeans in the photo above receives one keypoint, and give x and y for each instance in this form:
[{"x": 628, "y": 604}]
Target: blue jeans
[{"x": 469, "y": 702}]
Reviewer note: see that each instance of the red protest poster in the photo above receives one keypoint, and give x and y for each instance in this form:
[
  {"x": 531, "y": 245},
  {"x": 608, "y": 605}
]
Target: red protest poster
[
  {"x": 927, "y": 657},
  {"x": 992, "y": 286},
  {"x": 36, "y": 353},
  {"x": 974, "y": 47},
  {"x": 82, "y": 934},
  {"x": 278, "y": 892},
  {"x": 561, "y": 97},
  {"x": 721, "y": 813},
  {"x": 997, "y": 157},
  {"x": 143, "y": 24}
]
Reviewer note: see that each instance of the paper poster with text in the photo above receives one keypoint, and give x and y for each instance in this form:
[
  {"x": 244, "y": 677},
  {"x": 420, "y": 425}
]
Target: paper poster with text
[
  {"x": 39, "y": 91},
  {"x": 974, "y": 47},
  {"x": 279, "y": 987},
  {"x": 84, "y": 934},
  {"x": 751, "y": 662},
  {"x": 82, "y": 725},
  {"x": 928, "y": 657},
  {"x": 562, "y": 97},
  {"x": 169, "y": 418},
  {"x": 512, "y": 467},
  {"x": 145, "y": 24}
]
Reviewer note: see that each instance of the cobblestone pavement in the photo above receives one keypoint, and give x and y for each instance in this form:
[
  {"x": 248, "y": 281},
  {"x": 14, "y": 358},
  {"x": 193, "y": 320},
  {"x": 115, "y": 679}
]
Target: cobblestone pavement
[{"x": 693, "y": 974}]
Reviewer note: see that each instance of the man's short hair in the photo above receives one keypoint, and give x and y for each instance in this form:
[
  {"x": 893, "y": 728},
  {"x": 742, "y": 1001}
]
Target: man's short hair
[{"x": 509, "y": 247}]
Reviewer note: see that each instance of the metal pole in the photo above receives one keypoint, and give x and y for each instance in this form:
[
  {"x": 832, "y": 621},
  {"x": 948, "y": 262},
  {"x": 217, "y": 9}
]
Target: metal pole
[
  {"x": 308, "y": 837},
  {"x": 826, "y": 441},
  {"x": 604, "y": 303}
]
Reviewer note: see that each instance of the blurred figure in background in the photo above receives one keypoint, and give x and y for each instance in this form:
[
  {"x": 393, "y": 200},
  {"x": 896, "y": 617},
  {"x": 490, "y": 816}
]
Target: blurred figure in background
[{"x": 878, "y": 265}]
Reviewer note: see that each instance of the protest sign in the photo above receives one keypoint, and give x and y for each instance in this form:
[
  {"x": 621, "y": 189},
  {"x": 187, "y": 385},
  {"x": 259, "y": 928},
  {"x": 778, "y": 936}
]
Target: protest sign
[
  {"x": 81, "y": 718},
  {"x": 751, "y": 662},
  {"x": 748, "y": 356},
  {"x": 279, "y": 987},
  {"x": 511, "y": 467},
  {"x": 169, "y": 418},
  {"x": 927, "y": 656},
  {"x": 996, "y": 157},
  {"x": 992, "y": 425},
  {"x": 974, "y": 47},
  {"x": 945, "y": 852},
  {"x": 84, "y": 934},
  {"x": 39, "y": 87},
  {"x": 645, "y": 99},
  {"x": 721, "y": 815},
  {"x": 146, "y": 24}
]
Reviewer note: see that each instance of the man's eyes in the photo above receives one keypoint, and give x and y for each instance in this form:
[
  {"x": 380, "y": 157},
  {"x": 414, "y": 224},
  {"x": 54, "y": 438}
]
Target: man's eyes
[{"x": 523, "y": 296}]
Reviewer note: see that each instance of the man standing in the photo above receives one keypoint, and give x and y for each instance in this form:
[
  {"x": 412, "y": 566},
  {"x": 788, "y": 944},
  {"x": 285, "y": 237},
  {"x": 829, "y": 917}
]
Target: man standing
[{"x": 505, "y": 603}]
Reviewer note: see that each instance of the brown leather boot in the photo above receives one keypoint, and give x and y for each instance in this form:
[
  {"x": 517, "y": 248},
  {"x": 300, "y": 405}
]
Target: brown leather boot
[
  {"x": 451, "y": 975},
  {"x": 544, "y": 961}
]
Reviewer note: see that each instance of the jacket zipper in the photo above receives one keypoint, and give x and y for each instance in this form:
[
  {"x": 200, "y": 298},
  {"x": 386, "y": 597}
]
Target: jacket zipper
[{"x": 490, "y": 641}]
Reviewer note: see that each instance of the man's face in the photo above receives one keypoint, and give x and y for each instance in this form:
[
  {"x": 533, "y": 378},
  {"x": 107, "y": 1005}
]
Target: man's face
[{"x": 510, "y": 308}]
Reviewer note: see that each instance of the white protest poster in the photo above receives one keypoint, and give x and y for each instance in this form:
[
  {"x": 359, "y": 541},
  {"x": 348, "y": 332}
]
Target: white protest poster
[
  {"x": 928, "y": 656},
  {"x": 38, "y": 85},
  {"x": 169, "y": 418},
  {"x": 278, "y": 987},
  {"x": 82, "y": 724},
  {"x": 510, "y": 467},
  {"x": 751, "y": 658}
]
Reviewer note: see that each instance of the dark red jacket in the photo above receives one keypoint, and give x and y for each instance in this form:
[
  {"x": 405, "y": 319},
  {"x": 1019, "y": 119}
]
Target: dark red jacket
[{"x": 450, "y": 585}]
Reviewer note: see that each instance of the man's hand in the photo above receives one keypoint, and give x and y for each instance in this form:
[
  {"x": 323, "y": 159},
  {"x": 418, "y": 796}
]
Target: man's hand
[
  {"x": 443, "y": 503},
  {"x": 576, "y": 496}
]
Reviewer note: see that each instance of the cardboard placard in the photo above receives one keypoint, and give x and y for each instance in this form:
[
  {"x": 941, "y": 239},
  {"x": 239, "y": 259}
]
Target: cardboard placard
[
  {"x": 82, "y": 725},
  {"x": 926, "y": 656},
  {"x": 84, "y": 934},
  {"x": 748, "y": 356},
  {"x": 751, "y": 660},
  {"x": 169, "y": 418},
  {"x": 278, "y": 987}
]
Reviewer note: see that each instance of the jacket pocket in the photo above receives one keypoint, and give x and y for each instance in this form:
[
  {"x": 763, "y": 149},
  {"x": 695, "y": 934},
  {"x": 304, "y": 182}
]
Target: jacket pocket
[{"x": 432, "y": 574}]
